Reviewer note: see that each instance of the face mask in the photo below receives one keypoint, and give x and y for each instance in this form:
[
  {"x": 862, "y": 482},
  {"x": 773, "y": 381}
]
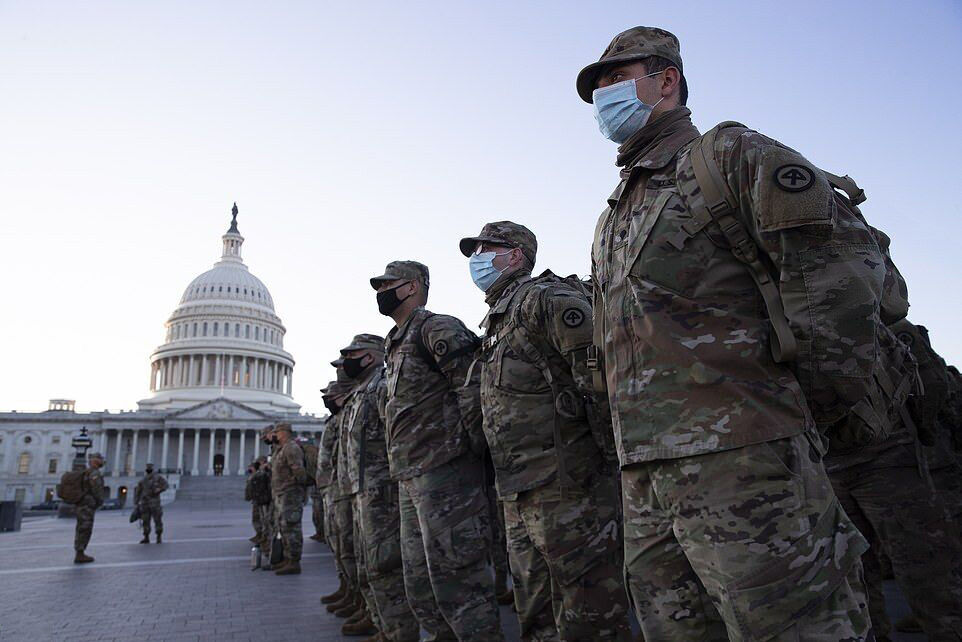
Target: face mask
[
  {"x": 275, "y": 440},
  {"x": 619, "y": 111},
  {"x": 150, "y": 470},
  {"x": 353, "y": 367},
  {"x": 483, "y": 272},
  {"x": 388, "y": 301},
  {"x": 331, "y": 406}
]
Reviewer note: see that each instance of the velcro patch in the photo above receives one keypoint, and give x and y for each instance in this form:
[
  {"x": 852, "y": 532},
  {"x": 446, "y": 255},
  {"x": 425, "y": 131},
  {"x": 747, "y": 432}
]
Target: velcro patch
[
  {"x": 791, "y": 192},
  {"x": 573, "y": 317},
  {"x": 441, "y": 348}
]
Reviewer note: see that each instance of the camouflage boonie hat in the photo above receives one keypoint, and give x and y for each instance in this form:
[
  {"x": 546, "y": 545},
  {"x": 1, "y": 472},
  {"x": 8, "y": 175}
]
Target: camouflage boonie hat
[
  {"x": 403, "y": 270},
  {"x": 503, "y": 233},
  {"x": 364, "y": 342},
  {"x": 634, "y": 44}
]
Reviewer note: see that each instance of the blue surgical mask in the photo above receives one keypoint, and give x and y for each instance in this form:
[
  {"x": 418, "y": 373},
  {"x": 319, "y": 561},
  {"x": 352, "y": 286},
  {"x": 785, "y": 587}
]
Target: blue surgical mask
[
  {"x": 483, "y": 272},
  {"x": 619, "y": 111}
]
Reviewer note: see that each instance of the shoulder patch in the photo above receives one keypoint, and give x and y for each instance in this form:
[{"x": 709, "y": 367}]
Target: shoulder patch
[
  {"x": 440, "y": 348},
  {"x": 794, "y": 178},
  {"x": 573, "y": 317}
]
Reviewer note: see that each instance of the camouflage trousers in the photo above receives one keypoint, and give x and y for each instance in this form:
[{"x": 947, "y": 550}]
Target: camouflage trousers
[
  {"x": 257, "y": 523},
  {"x": 345, "y": 557},
  {"x": 85, "y": 523},
  {"x": 445, "y": 549},
  {"x": 566, "y": 557},
  {"x": 499, "y": 542},
  {"x": 151, "y": 509},
  {"x": 317, "y": 513},
  {"x": 378, "y": 546},
  {"x": 288, "y": 511},
  {"x": 888, "y": 497},
  {"x": 267, "y": 528},
  {"x": 744, "y": 544}
]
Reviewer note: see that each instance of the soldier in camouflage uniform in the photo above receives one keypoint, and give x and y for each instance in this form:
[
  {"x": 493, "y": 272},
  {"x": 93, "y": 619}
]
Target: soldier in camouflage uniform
[
  {"x": 435, "y": 442},
  {"x": 885, "y": 488},
  {"x": 732, "y": 528},
  {"x": 86, "y": 508},
  {"x": 288, "y": 479},
  {"x": 147, "y": 496},
  {"x": 376, "y": 512},
  {"x": 554, "y": 456},
  {"x": 258, "y": 537},
  {"x": 267, "y": 510}
]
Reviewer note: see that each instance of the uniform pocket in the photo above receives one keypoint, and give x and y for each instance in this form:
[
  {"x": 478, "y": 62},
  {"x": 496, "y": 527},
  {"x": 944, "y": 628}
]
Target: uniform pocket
[
  {"x": 461, "y": 545},
  {"x": 519, "y": 376},
  {"x": 383, "y": 556}
]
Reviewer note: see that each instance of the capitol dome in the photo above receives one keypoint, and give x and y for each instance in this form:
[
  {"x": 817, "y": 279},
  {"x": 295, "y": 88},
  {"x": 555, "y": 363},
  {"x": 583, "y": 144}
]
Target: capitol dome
[{"x": 223, "y": 340}]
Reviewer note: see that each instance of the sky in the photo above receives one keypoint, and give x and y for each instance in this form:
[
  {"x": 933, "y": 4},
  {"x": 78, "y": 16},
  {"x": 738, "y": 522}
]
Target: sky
[{"x": 353, "y": 134}]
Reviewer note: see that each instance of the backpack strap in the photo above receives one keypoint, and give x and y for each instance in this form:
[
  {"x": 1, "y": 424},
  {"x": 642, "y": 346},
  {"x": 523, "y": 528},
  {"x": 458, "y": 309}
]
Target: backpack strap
[
  {"x": 719, "y": 205},
  {"x": 845, "y": 183}
]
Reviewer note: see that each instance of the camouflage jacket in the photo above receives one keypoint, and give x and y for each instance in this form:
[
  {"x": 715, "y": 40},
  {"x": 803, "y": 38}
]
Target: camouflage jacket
[
  {"x": 367, "y": 465},
  {"x": 431, "y": 414},
  {"x": 535, "y": 324},
  {"x": 150, "y": 488},
  {"x": 287, "y": 468},
  {"x": 324, "y": 475},
  {"x": 683, "y": 328},
  {"x": 94, "y": 485}
]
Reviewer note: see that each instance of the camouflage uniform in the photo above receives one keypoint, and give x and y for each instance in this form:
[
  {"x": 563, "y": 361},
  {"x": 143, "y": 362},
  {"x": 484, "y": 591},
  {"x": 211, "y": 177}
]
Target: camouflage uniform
[
  {"x": 731, "y": 525},
  {"x": 885, "y": 489},
  {"x": 147, "y": 495},
  {"x": 343, "y": 510},
  {"x": 432, "y": 418},
  {"x": 376, "y": 515},
  {"x": 561, "y": 500},
  {"x": 287, "y": 487},
  {"x": 255, "y": 511},
  {"x": 87, "y": 507}
]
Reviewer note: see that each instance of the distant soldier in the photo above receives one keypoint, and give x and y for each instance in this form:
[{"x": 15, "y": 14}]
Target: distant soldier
[
  {"x": 333, "y": 396},
  {"x": 258, "y": 492},
  {"x": 267, "y": 509},
  {"x": 93, "y": 498},
  {"x": 435, "y": 445},
  {"x": 551, "y": 443},
  {"x": 147, "y": 497},
  {"x": 288, "y": 479}
]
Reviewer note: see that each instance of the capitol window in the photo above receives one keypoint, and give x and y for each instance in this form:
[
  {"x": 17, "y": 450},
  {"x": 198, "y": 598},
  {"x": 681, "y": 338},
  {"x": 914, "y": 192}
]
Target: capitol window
[
  {"x": 247, "y": 332},
  {"x": 215, "y": 328},
  {"x": 195, "y": 330},
  {"x": 52, "y": 467},
  {"x": 27, "y": 439},
  {"x": 56, "y": 439},
  {"x": 236, "y": 329},
  {"x": 257, "y": 333},
  {"x": 23, "y": 466},
  {"x": 205, "y": 328}
]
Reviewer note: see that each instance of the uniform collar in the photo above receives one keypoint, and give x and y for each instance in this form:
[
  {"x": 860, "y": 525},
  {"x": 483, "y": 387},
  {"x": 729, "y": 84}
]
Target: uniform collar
[
  {"x": 398, "y": 332},
  {"x": 657, "y": 143},
  {"x": 501, "y": 299}
]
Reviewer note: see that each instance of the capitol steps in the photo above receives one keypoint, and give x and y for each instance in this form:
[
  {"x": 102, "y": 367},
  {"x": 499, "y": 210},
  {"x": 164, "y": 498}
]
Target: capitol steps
[{"x": 225, "y": 490}]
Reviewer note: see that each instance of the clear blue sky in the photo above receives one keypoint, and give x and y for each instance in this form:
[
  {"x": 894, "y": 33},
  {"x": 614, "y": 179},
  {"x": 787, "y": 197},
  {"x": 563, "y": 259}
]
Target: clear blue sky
[{"x": 351, "y": 134}]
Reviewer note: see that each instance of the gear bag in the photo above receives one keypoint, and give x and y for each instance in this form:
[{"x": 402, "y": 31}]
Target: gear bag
[
  {"x": 852, "y": 411},
  {"x": 72, "y": 486}
]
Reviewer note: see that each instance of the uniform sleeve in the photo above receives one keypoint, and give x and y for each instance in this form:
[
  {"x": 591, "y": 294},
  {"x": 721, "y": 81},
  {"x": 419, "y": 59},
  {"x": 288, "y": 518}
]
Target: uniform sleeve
[
  {"x": 453, "y": 348},
  {"x": 326, "y": 454},
  {"x": 831, "y": 270},
  {"x": 247, "y": 489},
  {"x": 294, "y": 457},
  {"x": 97, "y": 488}
]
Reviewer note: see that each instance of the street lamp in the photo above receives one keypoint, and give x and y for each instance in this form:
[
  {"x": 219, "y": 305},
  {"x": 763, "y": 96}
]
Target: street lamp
[{"x": 81, "y": 443}]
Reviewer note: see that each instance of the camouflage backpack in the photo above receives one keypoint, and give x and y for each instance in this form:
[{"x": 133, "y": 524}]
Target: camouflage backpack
[
  {"x": 261, "y": 488},
  {"x": 854, "y": 409},
  {"x": 72, "y": 486},
  {"x": 929, "y": 407},
  {"x": 310, "y": 462}
]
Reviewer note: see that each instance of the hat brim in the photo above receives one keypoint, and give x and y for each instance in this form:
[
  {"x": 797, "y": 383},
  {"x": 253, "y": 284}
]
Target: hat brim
[
  {"x": 588, "y": 77},
  {"x": 378, "y": 280},
  {"x": 467, "y": 245}
]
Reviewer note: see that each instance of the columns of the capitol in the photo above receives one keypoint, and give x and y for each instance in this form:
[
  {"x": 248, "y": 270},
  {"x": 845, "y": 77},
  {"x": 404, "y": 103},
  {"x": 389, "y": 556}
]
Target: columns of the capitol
[
  {"x": 180, "y": 450},
  {"x": 163, "y": 456},
  {"x": 203, "y": 369},
  {"x": 150, "y": 447},
  {"x": 240, "y": 460},
  {"x": 120, "y": 438},
  {"x": 210, "y": 455},
  {"x": 257, "y": 445},
  {"x": 227, "y": 432},
  {"x": 133, "y": 453},
  {"x": 194, "y": 470}
]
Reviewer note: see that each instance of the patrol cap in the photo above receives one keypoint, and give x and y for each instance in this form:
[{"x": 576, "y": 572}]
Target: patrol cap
[
  {"x": 633, "y": 44},
  {"x": 95, "y": 455},
  {"x": 364, "y": 342},
  {"x": 283, "y": 426},
  {"x": 403, "y": 270},
  {"x": 148, "y": 465},
  {"x": 338, "y": 363},
  {"x": 503, "y": 233}
]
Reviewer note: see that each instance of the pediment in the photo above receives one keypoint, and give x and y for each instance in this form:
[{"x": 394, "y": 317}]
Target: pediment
[{"x": 220, "y": 408}]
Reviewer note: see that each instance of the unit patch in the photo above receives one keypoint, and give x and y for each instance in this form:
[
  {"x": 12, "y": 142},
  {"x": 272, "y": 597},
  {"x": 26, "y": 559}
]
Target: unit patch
[
  {"x": 573, "y": 317},
  {"x": 794, "y": 178}
]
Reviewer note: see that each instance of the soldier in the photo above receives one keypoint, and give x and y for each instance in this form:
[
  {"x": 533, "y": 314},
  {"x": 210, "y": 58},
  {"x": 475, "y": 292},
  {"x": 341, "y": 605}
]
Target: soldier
[
  {"x": 267, "y": 509},
  {"x": 259, "y": 495},
  {"x": 885, "y": 489},
  {"x": 376, "y": 512},
  {"x": 435, "y": 443},
  {"x": 551, "y": 443},
  {"x": 288, "y": 479},
  {"x": 93, "y": 483},
  {"x": 255, "y": 509},
  {"x": 332, "y": 398},
  {"x": 147, "y": 496},
  {"x": 731, "y": 525}
]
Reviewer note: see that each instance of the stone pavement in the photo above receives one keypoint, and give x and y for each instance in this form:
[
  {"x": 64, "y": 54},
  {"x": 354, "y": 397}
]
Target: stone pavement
[{"x": 195, "y": 586}]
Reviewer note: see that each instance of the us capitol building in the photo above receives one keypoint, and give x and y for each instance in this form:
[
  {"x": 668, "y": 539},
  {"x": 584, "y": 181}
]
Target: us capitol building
[{"x": 221, "y": 375}]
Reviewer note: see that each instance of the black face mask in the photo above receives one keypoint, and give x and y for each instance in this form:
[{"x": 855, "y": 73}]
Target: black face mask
[
  {"x": 150, "y": 470},
  {"x": 353, "y": 367},
  {"x": 388, "y": 301},
  {"x": 331, "y": 406},
  {"x": 275, "y": 440}
]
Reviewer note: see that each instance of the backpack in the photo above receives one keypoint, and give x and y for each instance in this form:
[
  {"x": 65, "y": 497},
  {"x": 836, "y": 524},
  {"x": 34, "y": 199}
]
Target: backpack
[
  {"x": 261, "y": 488},
  {"x": 72, "y": 486},
  {"x": 865, "y": 409},
  {"x": 310, "y": 462},
  {"x": 934, "y": 376}
]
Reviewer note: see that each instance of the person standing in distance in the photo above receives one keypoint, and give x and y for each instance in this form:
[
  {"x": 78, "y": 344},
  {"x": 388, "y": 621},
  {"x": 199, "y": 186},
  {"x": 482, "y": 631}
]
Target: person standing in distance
[
  {"x": 288, "y": 480},
  {"x": 732, "y": 529},
  {"x": 93, "y": 499},
  {"x": 434, "y": 445},
  {"x": 147, "y": 495}
]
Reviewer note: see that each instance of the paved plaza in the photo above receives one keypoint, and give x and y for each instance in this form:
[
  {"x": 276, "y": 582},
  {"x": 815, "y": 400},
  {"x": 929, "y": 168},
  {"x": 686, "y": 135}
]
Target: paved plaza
[{"x": 195, "y": 586}]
